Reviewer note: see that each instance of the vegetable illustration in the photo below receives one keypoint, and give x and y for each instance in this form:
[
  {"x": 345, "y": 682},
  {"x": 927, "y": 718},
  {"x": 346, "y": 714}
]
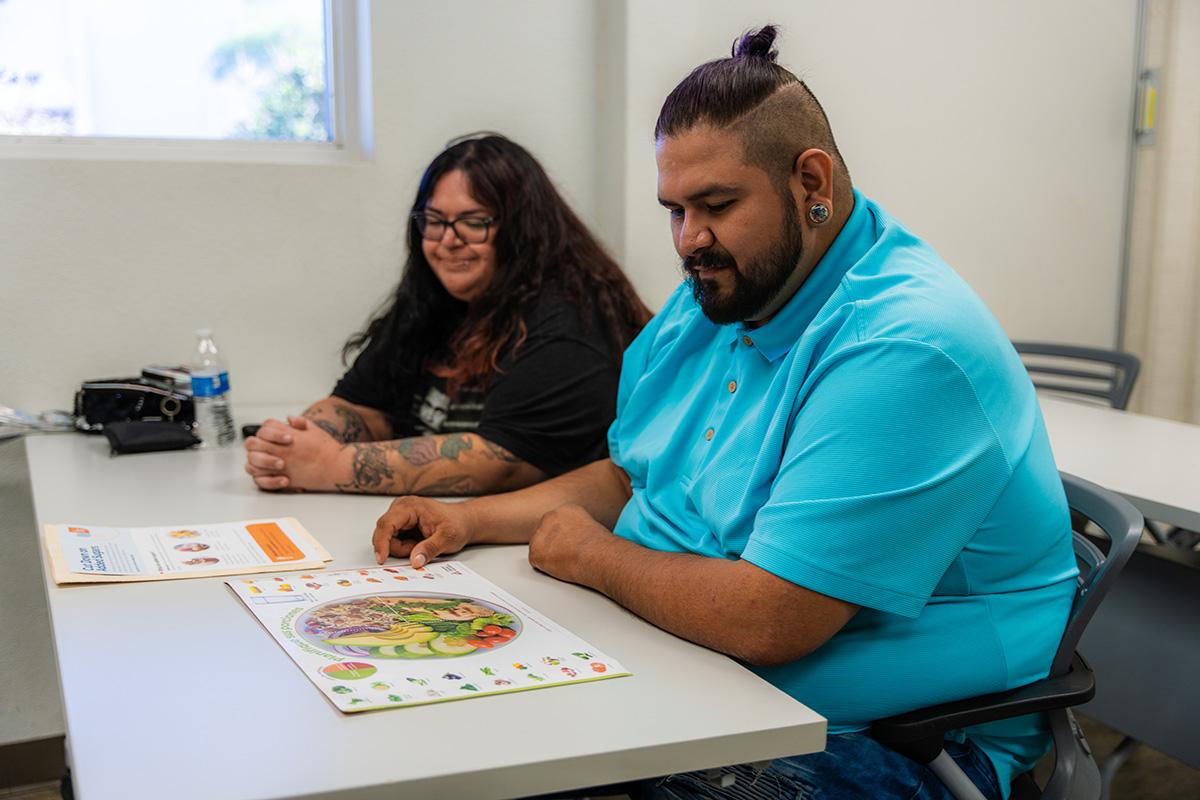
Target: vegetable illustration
[{"x": 411, "y": 625}]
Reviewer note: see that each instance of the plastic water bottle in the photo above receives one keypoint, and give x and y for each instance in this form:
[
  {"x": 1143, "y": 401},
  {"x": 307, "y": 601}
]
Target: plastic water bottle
[{"x": 210, "y": 393}]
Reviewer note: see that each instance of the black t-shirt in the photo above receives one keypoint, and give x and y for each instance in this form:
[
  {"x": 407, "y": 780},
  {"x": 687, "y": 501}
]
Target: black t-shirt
[{"x": 549, "y": 404}]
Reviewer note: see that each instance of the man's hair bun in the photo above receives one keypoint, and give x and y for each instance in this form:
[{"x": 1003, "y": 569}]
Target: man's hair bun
[{"x": 757, "y": 44}]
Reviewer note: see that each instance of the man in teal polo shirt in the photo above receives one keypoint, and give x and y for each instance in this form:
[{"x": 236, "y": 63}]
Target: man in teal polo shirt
[{"x": 827, "y": 460}]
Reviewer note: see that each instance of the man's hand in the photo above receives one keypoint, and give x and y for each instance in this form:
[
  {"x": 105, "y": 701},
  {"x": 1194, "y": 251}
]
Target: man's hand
[
  {"x": 421, "y": 529},
  {"x": 564, "y": 540},
  {"x": 293, "y": 455}
]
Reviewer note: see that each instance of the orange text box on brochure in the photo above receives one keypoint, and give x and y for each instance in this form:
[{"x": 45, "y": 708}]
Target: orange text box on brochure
[{"x": 274, "y": 542}]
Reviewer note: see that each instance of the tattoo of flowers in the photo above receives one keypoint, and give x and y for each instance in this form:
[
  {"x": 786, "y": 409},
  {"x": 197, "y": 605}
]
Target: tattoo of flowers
[
  {"x": 454, "y": 444},
  {"x": 419, "y": 451}
]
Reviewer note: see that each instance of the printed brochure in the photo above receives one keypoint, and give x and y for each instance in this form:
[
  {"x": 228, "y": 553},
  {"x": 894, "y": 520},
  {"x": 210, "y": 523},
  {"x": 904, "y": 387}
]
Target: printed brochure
[{"x": 97, "y": 554}]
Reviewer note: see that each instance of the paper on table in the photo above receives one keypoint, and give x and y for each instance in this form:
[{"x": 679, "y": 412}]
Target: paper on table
[
  {"x": 98, "y": 554},
  {"x": 386, "y": 637}
]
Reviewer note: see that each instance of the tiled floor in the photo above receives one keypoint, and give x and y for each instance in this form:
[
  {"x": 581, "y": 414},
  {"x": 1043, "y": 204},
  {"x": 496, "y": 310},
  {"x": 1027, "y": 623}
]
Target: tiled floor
[
  {"x": 1148, "y": 774},
  {"x": 41, "y": 791}
]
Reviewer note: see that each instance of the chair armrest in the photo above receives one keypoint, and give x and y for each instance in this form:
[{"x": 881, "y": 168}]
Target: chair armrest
[{"x": 918, "y": 734}]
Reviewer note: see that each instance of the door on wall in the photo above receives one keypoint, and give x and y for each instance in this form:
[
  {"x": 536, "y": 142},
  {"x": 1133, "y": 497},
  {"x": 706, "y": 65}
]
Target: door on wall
[{"x": 1161, "y": 308}]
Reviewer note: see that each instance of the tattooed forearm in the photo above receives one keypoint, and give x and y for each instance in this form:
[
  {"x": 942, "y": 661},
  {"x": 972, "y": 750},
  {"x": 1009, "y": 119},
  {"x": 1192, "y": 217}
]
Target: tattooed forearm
[
  {"x": 450, "y": 486},
  {"x": 353, "y": 427},
  {"x": 450, "y": 464},
  {"x": 371, "y": 471},
  {"x": 454, "y": 444},
  {"x": 419, "y": 451},
  {"x": 373, "y": 474},
  {"x": 499, "y": 452},
  {"x": 328, "y": 427}
]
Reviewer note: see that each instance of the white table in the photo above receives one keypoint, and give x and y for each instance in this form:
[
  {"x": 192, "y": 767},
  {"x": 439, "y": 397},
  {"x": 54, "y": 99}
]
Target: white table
[
  {"x": 1153, "y": 462},
  {"x": 171, "y": 688}
]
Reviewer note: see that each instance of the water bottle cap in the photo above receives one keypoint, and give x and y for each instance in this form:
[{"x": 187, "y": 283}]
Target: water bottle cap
[{"x": 205, "y": 333}]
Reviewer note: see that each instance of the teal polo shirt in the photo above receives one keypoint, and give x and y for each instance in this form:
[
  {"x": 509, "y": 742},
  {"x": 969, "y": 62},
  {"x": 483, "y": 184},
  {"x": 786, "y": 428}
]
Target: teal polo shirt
[{"x": 877, "y": 441}]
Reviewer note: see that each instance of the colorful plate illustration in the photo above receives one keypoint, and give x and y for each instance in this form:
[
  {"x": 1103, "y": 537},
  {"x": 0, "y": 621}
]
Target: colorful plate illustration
[{"x": 412, "y": 625}]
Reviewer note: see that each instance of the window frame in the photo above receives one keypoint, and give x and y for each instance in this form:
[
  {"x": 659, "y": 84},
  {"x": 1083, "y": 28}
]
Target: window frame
[{"x": 347, "y": 74}]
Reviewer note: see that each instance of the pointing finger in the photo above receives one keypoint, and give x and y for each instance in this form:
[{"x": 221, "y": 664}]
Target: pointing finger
[{"x": 401, "y": 516}]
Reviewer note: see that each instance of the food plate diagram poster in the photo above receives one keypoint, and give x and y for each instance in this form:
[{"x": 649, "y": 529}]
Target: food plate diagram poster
[{"x": 384, "y": 637}]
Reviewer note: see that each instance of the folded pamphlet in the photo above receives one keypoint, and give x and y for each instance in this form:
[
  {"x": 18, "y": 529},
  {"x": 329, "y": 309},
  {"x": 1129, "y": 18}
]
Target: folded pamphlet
[{"x": 100, "y": 554}]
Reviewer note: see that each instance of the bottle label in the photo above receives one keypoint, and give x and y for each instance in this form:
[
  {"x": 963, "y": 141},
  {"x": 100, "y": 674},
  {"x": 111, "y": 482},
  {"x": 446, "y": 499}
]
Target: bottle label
[{"x": 210, "y": 385}]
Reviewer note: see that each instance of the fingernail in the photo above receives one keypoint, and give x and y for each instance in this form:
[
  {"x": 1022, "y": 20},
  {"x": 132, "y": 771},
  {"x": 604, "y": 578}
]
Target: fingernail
[{"x": 418, "y": 560}]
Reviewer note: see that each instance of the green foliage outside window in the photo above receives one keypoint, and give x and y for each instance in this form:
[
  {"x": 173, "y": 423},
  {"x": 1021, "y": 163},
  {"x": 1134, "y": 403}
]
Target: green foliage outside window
[{"x": 290, "y": 79}]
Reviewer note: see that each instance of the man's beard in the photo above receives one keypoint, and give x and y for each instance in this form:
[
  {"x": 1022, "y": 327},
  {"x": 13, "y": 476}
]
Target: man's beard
[{"x": 755, "y": 285}]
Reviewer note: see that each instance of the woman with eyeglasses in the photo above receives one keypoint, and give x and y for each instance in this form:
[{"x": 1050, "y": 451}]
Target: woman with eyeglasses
[{"x": 493, "y": 366}]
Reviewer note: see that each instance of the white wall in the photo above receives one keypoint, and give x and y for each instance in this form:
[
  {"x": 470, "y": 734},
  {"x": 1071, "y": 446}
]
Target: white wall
[
  {"x": 106, "y": 266},
  {"x": 996, "y": 131}
]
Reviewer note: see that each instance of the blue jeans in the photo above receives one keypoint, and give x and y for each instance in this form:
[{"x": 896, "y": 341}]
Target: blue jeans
[{"x": 853, "y": 765}]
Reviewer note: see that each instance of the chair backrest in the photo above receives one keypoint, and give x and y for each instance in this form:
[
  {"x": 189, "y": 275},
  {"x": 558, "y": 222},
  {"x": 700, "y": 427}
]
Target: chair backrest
[
  {"x": 1107, "y": 375},
  {"x": 1122, "y": 524},
  {"x": 1075, "y": 775}
]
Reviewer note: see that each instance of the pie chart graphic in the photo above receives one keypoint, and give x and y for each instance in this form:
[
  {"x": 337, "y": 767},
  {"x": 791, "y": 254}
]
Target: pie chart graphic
[{"x": 348, "y": 671}]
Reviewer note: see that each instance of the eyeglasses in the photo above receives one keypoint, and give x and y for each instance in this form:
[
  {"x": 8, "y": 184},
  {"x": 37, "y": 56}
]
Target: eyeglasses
[{"x": 472, "y": 230}]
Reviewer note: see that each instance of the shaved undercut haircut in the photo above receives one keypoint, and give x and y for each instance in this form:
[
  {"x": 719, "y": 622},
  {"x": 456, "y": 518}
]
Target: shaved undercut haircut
[{"x": 769, "y": 108}]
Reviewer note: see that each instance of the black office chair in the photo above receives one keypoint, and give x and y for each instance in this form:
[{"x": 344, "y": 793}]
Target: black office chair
[
  {"x": 1094, "y": 373},
  {"x": 1091, "y": 372},
  {"x": 919, "y": 734}
]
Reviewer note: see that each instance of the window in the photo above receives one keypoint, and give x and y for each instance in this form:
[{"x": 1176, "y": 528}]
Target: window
[{"x": 177, "y": 74}]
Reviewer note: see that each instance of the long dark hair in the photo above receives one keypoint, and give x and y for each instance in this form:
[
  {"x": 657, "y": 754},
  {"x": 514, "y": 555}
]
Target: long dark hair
[{"x": 539, "y": 242}]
